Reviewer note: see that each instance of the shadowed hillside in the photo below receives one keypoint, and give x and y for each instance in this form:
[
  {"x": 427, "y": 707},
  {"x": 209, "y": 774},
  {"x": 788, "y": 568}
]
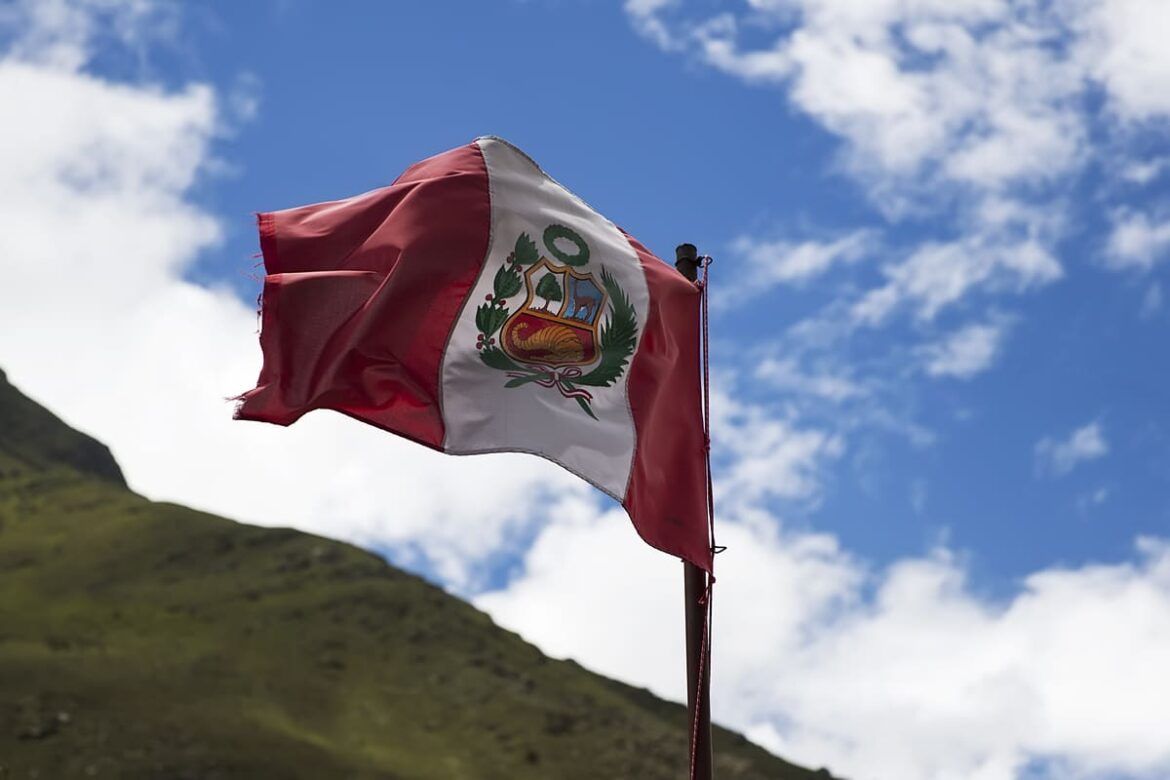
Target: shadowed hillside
[{"x": 145, "y": 640}]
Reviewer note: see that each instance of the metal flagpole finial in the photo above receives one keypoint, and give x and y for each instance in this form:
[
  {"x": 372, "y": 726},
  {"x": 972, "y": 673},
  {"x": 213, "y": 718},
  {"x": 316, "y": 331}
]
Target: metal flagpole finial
[{"x": 687, "y": 261}]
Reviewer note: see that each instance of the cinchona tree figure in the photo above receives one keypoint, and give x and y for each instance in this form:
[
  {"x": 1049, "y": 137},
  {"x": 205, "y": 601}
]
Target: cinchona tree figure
[{"x": 549, "y": 288}]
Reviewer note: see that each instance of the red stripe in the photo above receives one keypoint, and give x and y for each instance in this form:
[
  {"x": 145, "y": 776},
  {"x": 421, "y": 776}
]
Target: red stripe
[
  {"x": 667, "y": 494},
  {"x": 362, "y": 294}
]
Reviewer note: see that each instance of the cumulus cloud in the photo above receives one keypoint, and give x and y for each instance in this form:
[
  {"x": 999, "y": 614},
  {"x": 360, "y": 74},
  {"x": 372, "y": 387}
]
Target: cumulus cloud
[
  {"x": 785, "y": 375},
  {"x": 903, "y": 672},
  {"x": 979, "y": 113},
  {"x": 98, "y": 319},
  {"x": 966, "y": 352},
  {"x": 629, "y": 624},
  {"x": 1138, "y": 241},
  {"x": 60, "y": 34},
  {"x": 962, "y": 121},
  {"x": 1058, "y": 457},
  {"x": 971, "y": 91},
  {"x": 985, "y": 93},
  {"x": 1128, "y": 54},
  {"x": 766, "y": 264},
  {"x": 1142, "y": 172},
  {"x": 767, "y": 457},
  {"x": 938, "y": 275},
  {"x": 644, "y": 13}
]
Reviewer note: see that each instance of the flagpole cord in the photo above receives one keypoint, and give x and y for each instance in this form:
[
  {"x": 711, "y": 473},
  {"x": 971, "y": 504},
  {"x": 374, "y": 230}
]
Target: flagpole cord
[
  {"x": 702, "y": 674},
  {"x": 706, "y": 261},
  {"x": 706, "y": 599}
]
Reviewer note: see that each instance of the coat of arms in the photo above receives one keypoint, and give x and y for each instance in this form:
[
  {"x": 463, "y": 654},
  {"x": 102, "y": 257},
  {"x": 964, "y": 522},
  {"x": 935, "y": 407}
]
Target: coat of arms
[{"x": 556, "y": 333}]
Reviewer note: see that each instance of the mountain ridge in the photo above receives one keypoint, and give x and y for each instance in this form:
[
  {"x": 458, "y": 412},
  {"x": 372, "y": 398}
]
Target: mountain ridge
[
  {"x": 149, "y": 640},
  {"x": 31, "y": 434}
]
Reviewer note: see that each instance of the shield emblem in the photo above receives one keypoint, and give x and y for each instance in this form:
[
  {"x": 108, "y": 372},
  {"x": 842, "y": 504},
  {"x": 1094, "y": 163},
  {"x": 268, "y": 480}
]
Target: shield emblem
[{"x": 557, "y": 325}]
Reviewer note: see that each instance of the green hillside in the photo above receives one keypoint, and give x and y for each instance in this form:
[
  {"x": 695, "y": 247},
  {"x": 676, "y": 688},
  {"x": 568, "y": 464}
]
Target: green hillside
[{"x": 147, "y": 640}]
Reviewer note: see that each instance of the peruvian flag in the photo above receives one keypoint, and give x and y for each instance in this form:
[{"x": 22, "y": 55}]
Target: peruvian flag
[{"x": 476, "y": 305}]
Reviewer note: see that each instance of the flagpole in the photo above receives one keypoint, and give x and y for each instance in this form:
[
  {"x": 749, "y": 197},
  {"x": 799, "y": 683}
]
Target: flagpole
[{"x": 695, "y": 588}]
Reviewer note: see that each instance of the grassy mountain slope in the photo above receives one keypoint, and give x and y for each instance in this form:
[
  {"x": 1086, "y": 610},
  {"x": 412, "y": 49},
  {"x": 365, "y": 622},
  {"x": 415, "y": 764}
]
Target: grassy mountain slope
[{"x": 146, "y": 640}]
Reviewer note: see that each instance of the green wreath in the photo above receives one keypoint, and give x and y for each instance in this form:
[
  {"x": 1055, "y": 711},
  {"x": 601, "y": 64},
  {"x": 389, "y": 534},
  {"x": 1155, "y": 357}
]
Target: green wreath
[{"x": 553, "y": 232}]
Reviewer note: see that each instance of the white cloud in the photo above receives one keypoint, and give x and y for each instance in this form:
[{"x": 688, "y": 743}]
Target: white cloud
[
  {"x": 971, "y": 93},
  {"x": 981, "y": 92},
  {"x": 629, "y": 623},
  {"x": 1145, "y": 171},
  {"x": 786, "y": 375},
  {"x": 939, "y": 275},
  {"x": 763, "y": 457},
  {"x": 900, "y": 673},
  {"x": 966, "y": 352},
  {"x": 957, "y": 109},
  {"x": 767, "y": 264},
  {"x": 1126, "y": 41},
  {"x": 59, "y": 34},
  {"x": 1138, "y": 241},
  {"x": 98, "y": 321},
  {"x": 1059, "y": 456},
  {"x": 645, "y": 15}
]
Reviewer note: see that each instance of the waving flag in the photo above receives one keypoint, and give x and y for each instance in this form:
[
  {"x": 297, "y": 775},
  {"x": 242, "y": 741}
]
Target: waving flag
[{"x": 476, "y": 305}]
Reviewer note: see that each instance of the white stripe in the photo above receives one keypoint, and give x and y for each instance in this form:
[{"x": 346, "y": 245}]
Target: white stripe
[{"x": 479, "y": 412}]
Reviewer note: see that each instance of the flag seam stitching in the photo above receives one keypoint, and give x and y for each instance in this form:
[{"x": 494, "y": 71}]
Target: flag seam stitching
[{"x": 467, "y": 296}]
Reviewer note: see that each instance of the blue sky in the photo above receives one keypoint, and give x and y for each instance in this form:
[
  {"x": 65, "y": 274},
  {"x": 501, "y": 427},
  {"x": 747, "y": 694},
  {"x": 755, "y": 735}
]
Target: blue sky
[
  {"x": 940, "y": 231},
  {"x": 675, "y": 151}
]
